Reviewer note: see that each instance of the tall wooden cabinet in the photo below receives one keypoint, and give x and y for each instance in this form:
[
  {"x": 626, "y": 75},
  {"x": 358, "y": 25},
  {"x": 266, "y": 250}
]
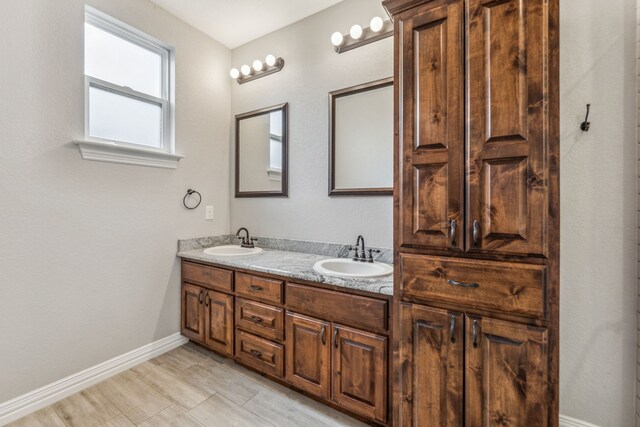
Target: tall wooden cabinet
[{"x": 476, "y": 212}]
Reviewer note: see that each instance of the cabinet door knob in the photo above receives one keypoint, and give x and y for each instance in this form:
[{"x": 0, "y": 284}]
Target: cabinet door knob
[
  {"x": 207, "y": 299},
  {"x": 476, "y": 232},
  {"x": 452, "y": 231},
  {"x": 335, "y": 337},
  {"x": 200, "y": 297},
  {"x": 324, "y": 334},
  {"x": 452, "y": 328}
]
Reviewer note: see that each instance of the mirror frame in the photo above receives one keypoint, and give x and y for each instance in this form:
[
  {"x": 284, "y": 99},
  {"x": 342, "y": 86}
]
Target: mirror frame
[
  {"x": 353, "y": 90},
  {"x": 284, "y": 192}
]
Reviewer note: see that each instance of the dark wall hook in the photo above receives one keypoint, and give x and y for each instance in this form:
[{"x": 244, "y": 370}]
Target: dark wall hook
[{"x": 586, "y": 124}]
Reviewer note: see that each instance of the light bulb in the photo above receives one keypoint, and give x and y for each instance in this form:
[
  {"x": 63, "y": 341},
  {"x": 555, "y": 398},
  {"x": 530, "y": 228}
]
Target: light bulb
[
  {"x": 246, "y": 70},
  {"x": 257, "y": 65},
  {"x": 234, "y": 73},
  {"x": 270, "y": 60},
  {"x": 376, "y": 24},
  {"x": 337, "y": 39},
  {"x": 356, "y": 32}
]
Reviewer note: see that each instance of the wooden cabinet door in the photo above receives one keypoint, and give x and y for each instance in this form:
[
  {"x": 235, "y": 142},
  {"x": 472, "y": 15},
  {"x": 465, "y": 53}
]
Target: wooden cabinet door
[
  {"x": 431, "y": 82},
  {"x": 192, "y": 322},
  {"x": 218, "y": 309},
  {"x": 508, "y": 129},
  {"x": 432, "y": 365},
  {"x": 307, "y": 348},
  {"x": 359, "y": 372},
  {"x": 506, "y": 368}
]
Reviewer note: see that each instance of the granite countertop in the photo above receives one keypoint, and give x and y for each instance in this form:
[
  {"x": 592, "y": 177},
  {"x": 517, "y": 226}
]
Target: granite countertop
[{"x": 294, "y": 265}]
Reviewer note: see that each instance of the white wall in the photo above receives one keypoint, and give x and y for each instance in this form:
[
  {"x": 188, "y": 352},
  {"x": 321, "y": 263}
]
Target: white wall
[
  {"x": 87, "y": 254},
  {"x": 312, "y": 70},
  {"x": 598, "y": 209}
]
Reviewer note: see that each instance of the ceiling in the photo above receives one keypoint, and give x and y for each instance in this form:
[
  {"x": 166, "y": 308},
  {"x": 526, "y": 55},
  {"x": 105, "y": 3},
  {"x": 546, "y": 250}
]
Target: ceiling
[{"x": 236, "y": 22}]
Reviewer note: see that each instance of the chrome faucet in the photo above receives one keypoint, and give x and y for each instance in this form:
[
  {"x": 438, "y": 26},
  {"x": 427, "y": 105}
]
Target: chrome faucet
[
  {"x": 247, "y": 240},
  {"x": 360, "y": 253}
]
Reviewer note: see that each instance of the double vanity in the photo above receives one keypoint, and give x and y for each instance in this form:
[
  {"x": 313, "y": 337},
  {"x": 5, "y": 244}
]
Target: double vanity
[{"x": 313, "y": 316}]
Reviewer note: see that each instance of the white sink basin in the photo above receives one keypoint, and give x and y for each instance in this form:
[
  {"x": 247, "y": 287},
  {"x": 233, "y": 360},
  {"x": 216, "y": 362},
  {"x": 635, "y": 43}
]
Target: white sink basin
[
  {"x": 232, "y": 250},
  {"x": 342, "y": 267}
]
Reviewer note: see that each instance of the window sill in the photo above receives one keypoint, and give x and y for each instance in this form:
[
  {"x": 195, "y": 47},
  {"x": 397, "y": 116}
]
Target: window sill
[{"x": 114, "y": 153}]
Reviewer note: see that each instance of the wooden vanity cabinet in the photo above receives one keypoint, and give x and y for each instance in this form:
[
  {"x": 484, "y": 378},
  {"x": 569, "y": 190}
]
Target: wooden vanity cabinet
[
  {"x": 332, "y": 345},
  {"x": 207, "y": 318},
  {"x": 308, "y": 362},
  {"x": 207, "y": 310},
  {"x": 347, "y": 365},
  {"x": 476, "y": 212},
  {"x": 480, "y": 370}
]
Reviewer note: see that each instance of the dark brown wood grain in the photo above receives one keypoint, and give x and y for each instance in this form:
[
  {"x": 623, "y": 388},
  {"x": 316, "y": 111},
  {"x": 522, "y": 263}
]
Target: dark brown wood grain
[
  {"x": 431, "y": 75},
  {"x": 260, "y": 319},
  {"x": 261, "y": 354},
  {"x": 511, "y": 188},
  {"x": 259, "y": 288},
  {"x": 501, "y": 286},
  {"x": 431, "y": 368},
  {"x": 359, "y": 371},
  {"x": 506, "y": 374},
  {"x": 308, "y": 350},
  {"x": 218, "y": 309},
  {"x": 209, "y": 277},
  {"x": 364, "y": 312},
  {"x": 507, "y": 173},
  {"x": 192, "y": 316}
]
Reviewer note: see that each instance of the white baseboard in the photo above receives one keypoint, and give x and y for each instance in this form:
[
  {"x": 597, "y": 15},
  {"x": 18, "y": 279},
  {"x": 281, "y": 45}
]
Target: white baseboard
[
  {"x": 574, "y": 422},
  {"x": 45, "y": 396}
]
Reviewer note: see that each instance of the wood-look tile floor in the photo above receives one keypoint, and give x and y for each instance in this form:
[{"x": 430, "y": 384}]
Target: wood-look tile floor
[{"x": 187, "y": 386}]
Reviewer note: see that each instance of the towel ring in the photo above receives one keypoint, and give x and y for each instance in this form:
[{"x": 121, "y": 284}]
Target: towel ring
[{"x": 191, "y": 192}]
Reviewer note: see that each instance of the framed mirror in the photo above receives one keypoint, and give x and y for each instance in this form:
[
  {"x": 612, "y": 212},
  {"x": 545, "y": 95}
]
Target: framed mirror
[
  {"x": 261, "y": 153},
  {"x": 361, "y": 140}
]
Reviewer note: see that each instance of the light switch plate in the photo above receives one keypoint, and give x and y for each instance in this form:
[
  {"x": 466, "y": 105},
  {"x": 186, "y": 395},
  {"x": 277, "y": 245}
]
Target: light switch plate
[{"x": 209, "y": 213}]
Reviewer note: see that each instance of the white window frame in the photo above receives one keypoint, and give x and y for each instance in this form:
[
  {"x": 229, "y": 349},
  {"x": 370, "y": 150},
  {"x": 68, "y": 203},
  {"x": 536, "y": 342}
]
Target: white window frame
[{"x": 95, "y": 148}]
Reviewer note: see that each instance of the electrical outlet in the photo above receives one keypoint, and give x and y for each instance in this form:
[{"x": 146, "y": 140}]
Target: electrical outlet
[{"x": 209, "y": 213}]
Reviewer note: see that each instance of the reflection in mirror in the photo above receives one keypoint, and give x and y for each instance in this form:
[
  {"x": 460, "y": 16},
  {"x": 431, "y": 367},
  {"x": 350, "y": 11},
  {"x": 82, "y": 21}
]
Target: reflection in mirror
[
  {"x": 361, "y": 139},
  {"x": 261, "y": 153}
]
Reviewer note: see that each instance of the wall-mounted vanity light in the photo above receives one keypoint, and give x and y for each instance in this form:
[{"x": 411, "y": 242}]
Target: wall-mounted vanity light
[
  {"x": 257, "y": 69},
  {"x": 378, "y": 29}
]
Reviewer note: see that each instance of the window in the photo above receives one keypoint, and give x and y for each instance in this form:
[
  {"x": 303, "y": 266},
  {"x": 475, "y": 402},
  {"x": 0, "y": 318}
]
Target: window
[{"x": 128, "y": 87}]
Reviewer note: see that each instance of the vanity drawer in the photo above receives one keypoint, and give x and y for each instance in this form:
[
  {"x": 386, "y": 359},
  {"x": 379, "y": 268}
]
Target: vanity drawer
[
  {"x": 498, "y": 286},
  {"x": 210, "y": 277},
  {"x": 352, "y": 310},
  {"x": 264, "y": 355},
  {"x": 259, "y": 288},
  {"x": 261, "y": 319}
]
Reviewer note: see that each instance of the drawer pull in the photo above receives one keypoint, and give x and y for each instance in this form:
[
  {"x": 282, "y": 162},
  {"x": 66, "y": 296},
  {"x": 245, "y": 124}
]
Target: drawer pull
[
  {"x": 452, "y": 328},
  {"x": 464, "y": 285},
  {"x": 324, "y": 334},
  {"x": 256, "y": 354},
  {"x": 335, "y": 337},
  {"x": 207, "y": 299},
  {"x": 256, "y": 319},
  {"x": 256, "y": 288},
  {"x": 200, "y": 297}
]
